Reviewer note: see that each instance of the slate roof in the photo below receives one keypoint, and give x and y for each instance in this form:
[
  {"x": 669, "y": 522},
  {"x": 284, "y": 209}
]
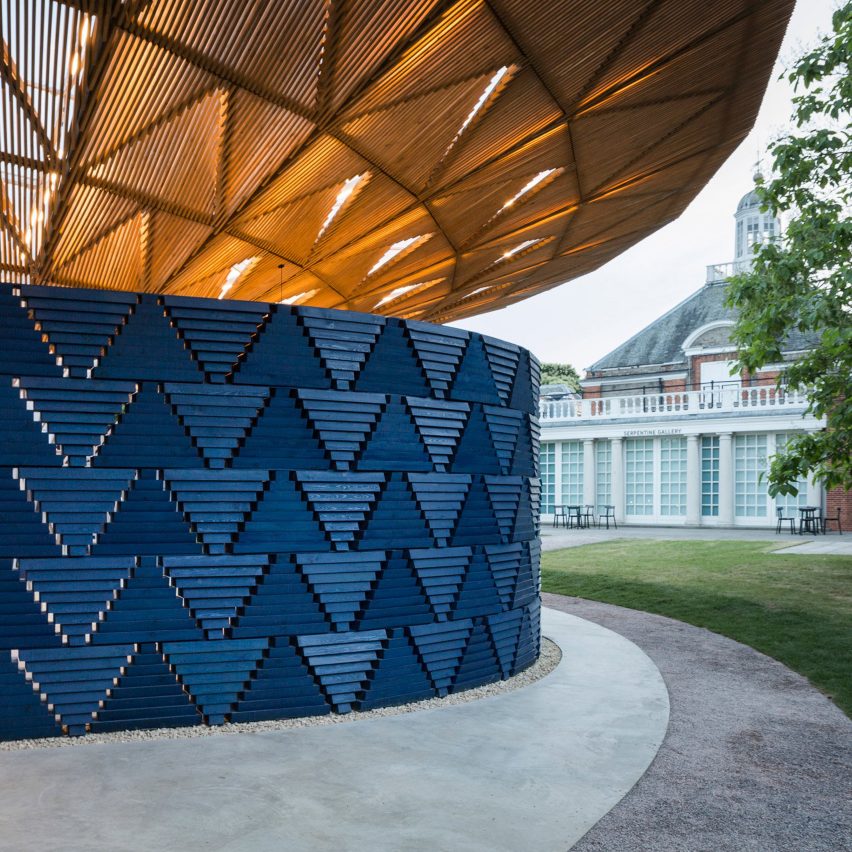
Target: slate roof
[
  {"x": 661, "y": 342},
  {"x": 558, "y": 390}
]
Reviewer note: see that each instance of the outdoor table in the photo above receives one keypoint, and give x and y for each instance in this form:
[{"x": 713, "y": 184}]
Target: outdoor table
[{"x": 808, "y": 521}]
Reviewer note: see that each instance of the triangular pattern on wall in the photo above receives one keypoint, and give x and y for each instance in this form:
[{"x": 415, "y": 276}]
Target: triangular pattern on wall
[
  {"x": 217, "y": 424},
  {"x": 396, "y": 520},
  {"x": 343, "y": 431},
  {"x": 217, "y": 504},
  {"x": 440, "y": 571},
  {"x": 147, "y": 694},
  {"x": 343, "y": 364},
  {"x": 147, "y": 522},
  {"x": 476, "y": 523},
  {"x": 439, "y": 351},
  {"x": 341, "y": 662},
  {"x": 78, "y": 347},
  {"x": 23, "y": 620},
  {"x": 215, "y": 672},
  {"x": 147, "y": 433},
  {"x": 23, "y": 521},
  {"x": 392, "y": 366},
  {"x": 76, "y": 503},
  {"x": 281, "y": 521},
  {"x": 26, "y": 353},
  {"x": 146, "y": 608},
  {"x": 400, "y": 676},
  {"x": 476, "y": 452},
  {"x": 504, "y": 426},
  {"x": 503, "y": 360},
  {"x": 440, "y": 425},
  {"x": 280, "y": 353},
  {"x": 282, "y": 688},
  {"x": 473, "y": 380},
  {"x": 478, "y": 660},
  {"x": 478, "y": 592},
  {"x": 215, "y": 588},
  {"x": 22, "y": 712},
  {"x": 74, "y": 594},
  {"x": 216, "y": 338},
  {"x": 440, "y": 647},
  {"x": 76, "y": 413},
  {"x": 505, "y": 562},
  {"x": 72, "y": 681},
  {"x": 341, "y": 502},
  {"x": 394, "y": 443},
  {"x": 23, "y": 441},
  {"x": 397, "y": 594},
  {"x": 281, "y": 437},
  {"x": 505, "y": 494},
  {"x": 147, "y": 347},
  {"x": 341, "y": 582},
  {"x": 505, "y": 630},
  {"x": 282, "y": 602},
  {"x": 440, "y": 497}
]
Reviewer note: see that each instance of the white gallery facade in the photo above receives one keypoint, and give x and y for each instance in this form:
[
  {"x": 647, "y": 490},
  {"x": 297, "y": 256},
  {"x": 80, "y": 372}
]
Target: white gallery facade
[
  {"x": 675, "y": 458},
  {"x": 663, "y": 432}
]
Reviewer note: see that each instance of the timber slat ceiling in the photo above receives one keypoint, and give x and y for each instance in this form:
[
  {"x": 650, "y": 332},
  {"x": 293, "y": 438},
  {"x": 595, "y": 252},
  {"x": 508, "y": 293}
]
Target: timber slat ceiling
[{"x": 409, "y": 157}]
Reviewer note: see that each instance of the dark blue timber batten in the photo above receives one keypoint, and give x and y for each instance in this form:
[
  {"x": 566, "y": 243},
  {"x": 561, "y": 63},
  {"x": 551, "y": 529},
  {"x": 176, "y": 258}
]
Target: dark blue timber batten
[{"x": 217, "y": 511}]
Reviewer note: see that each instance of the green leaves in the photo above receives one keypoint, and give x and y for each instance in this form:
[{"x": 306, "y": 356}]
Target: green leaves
[
  {"x": 553, "y": 374},
  {"x": 804, "y": 282}
]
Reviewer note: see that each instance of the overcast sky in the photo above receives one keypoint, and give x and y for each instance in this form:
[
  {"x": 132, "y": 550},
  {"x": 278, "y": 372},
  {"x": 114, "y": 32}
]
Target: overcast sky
[{"x": 584, "y": 319}]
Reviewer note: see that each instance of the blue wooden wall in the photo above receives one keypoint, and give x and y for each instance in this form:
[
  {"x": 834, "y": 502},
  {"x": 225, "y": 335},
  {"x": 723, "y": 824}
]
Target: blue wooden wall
[{"x": 223, "y": 511}]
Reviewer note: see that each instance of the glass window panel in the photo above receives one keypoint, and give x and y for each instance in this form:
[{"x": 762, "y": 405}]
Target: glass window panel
[
  {"x": 789, "y": 503},
  {"x": 572, "y": 472},
  {"x": 673, "y": 476},
  {"x": 749, "y": 467},
  {"x": 639, "y": 478},
  {"x": 547, "y": 460},
  {"x": 603, "y": 472},
  {"x": 710, "y": 476}
]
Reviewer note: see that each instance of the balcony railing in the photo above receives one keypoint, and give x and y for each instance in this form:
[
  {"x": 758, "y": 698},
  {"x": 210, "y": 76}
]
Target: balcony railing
[
  {"x": 673, "y": 404},
  {"x": 718, "y": 272}
]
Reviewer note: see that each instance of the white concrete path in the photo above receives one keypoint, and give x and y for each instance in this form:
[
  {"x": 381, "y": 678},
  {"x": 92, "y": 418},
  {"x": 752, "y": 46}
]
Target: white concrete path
[
  {"x": 530, "y": 770},
  {"x": 834, "y": 546},
  {"x": 557, "y": 538}
]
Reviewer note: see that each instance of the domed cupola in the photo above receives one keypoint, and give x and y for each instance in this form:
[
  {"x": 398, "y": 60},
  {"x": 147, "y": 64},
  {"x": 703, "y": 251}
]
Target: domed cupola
[{"x": 753, "y": 227}]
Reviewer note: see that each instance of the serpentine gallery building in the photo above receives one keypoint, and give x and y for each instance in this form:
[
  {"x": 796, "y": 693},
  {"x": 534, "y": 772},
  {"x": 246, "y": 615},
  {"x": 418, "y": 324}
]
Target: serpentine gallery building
[
  {"x": 666, "y": 435},
  {"x": 245, "y": 472}
]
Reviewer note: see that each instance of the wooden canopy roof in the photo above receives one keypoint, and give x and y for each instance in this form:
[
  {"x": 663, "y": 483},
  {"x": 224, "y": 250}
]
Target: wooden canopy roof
[{"x": 409, "y": 157}]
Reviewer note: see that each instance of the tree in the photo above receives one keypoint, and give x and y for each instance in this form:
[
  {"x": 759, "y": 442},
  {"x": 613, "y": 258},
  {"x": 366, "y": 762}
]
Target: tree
[
  {"x": 565, "y": 374},
  {"x": 804, "y": 280}
]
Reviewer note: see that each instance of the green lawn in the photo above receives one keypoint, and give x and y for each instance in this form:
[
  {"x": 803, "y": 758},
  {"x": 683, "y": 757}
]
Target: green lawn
[{"x": 797, "y": 609}]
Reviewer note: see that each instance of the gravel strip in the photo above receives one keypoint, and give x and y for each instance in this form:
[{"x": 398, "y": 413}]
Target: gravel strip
[
  {"x": 546, "y": 663},
  {"x": 754, "y": 759}
]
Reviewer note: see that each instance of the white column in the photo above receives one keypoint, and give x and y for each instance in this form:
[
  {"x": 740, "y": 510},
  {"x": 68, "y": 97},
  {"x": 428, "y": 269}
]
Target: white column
[
  {"x": 726, "y": 479},
  {"x": 589, "y": 477},
  {"x": 693, "y": 480},
  {"x": 618, "y": 478},
  {"x": 814, "y": 493}
]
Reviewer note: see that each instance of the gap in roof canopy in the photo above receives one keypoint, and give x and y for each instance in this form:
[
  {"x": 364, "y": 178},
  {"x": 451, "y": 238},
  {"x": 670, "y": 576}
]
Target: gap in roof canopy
[
  {"x": 235, "y": 272},
  {"x": 348, "y": 191},
  {"x": 529, "y": 187},
  {"x": 396, "y": 249},
  {"x": 299, "y": 298},
  {"x": 408, "y": 288}
]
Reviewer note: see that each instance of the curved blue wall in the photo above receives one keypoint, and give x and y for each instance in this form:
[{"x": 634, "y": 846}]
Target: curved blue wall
[{"x": 221, "y": 511}]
